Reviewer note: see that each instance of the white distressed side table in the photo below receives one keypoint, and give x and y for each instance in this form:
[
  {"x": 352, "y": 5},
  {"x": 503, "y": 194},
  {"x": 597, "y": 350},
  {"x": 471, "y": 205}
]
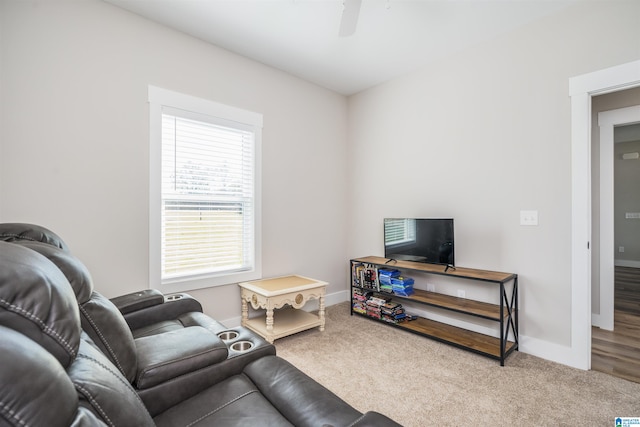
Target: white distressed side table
[{"x": 271, "y": 294}]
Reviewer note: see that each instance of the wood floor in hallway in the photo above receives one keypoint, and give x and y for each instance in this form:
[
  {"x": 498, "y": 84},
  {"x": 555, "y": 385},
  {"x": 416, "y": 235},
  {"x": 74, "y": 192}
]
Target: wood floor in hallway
[{"x": 617, "y": 352}]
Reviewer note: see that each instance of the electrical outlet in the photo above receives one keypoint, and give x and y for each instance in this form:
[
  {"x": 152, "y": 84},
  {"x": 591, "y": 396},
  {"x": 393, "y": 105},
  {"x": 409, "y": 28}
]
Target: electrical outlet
[
  {"x": 431, "y": 287},
  {"x": 461, "y": 293},
  {"x": 621, "y": 249}
]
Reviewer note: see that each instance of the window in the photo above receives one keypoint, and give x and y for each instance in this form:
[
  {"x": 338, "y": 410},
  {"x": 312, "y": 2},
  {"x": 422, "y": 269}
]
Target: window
[
  {"x": 205, "y": 210},
  {"x": 397, "y": 231}
]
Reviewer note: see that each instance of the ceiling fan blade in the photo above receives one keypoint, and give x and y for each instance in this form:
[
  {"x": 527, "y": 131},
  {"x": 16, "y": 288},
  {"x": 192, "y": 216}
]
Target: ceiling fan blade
[{"x": 350, "y": 15}]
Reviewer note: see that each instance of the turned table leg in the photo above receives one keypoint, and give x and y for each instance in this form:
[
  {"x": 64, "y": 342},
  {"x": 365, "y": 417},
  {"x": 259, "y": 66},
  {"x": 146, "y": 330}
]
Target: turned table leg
[
  {"x": 245, "y": 312},
  {"x": 269, "y": 336},
  {"x": 269, "y": 319},
  {"x": 321, "y": 312}
]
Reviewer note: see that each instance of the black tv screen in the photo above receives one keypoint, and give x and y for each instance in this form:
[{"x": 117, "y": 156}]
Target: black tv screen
[{"x": 428, "y": 240}]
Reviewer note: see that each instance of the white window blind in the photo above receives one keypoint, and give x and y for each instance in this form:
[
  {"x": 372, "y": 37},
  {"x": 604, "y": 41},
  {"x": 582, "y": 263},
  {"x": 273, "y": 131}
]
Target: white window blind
[
  {"x": 207, "y": 196},
  {"x": 398, "y": 231},
  {"x": 204, "y": 192}
]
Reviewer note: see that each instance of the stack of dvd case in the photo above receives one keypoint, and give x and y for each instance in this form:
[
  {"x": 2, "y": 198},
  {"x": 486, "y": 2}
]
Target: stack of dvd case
[
  {"x": 374, "y": 307},
  {"x": 402, "y": 286},
  {"x": 393, "y": 312},
  {"x": 360, "y": 297},
  {"x": 384, "y": 277}
]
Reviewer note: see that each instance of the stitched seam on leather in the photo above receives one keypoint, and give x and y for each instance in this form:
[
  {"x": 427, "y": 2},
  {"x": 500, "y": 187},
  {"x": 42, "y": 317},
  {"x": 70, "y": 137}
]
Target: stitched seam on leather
[
  {"x": 114, "y": 373},
  {"x": 55, "y": 244},
  {"x": 356, "y": 421},
  {"x": 45, "y": 328},
  {"x": 18, "y": 236},
  {"x": 143, "y": 372},
  {"x": 9, "y": 413},
  {"x": 102, "y": 338},
  {"x": 94, "y": 403},
  {"x": 221, "y": 407}
]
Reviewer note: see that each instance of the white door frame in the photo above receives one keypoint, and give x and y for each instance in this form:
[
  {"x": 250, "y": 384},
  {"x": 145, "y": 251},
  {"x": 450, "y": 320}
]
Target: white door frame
[
  {"x": 607, "y": 120},
  {"x": 581, "y": 89}
]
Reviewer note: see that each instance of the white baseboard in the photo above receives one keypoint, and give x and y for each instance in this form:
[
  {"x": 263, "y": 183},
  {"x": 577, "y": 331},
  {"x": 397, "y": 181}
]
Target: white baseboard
[
  {"x": 598, "y": 321},
  {"x": 533, "y": 346},
  {"x": 329, "y": 300},
  {"x": 549, "y": 351}
]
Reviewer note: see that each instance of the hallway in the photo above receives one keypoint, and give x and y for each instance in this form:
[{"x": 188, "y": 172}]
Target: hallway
[{"x": 617, "y": 352}]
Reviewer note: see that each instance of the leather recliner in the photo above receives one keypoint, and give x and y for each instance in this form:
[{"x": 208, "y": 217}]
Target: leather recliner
[
  {"x": 54, "y": 374},
  {"x": 174, "y": 347}
]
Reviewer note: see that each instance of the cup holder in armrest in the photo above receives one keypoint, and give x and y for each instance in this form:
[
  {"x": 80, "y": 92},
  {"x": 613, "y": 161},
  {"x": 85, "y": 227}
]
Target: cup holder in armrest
[
  {"x": 227, "y": 335},
  {"x": 241, "y": 346},
  {"x": 174, "y": 297}
]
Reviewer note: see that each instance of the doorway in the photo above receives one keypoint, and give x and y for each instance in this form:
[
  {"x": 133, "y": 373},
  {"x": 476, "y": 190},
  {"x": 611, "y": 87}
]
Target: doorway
[
  {"x": 616, "y": 256},
  {"x": 616, "y": 126},
  {"x": 581, "y": 90}
]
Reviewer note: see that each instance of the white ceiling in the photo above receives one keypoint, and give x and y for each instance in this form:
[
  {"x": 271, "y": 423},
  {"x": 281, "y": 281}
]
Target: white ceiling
[{"x": 392, "y": 38}]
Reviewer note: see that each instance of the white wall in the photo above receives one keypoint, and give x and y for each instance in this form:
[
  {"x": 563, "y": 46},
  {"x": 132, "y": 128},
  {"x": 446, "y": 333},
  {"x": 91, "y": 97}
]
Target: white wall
[
  {"x": 75, "y": 144},
  {"x": 481, "y": 136},
  {"x": 478, "y": 136}
]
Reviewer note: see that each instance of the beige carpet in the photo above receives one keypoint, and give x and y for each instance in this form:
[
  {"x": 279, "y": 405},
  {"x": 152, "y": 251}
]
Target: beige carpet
[{"x": 420, "y": 382}]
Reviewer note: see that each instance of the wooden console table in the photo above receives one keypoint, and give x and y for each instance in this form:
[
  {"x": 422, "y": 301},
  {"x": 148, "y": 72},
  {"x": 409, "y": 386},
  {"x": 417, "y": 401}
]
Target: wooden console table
[
  {"x": 503, "y": 310},
  {"x": 271, "y": 294}
]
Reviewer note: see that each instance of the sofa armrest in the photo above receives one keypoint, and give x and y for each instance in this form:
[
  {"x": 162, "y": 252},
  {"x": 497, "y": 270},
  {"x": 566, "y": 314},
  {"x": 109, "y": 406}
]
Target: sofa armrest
[
  {"x": 298, "y": 397},
  {"x": 374, "y": 419},
  {"x": 163, "y": 396},
  {"x": 150, "y": 306},
  {"x": 138, "y": 300},
  {"x": 166, "y": 356}
]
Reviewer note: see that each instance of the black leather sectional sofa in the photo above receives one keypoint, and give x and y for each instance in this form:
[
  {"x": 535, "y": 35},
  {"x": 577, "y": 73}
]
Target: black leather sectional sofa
[{"x": 71, "y": 357}]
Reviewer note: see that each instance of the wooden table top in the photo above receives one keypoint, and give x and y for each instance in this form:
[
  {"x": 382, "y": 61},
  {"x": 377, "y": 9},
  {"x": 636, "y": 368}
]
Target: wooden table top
[{"x": 281, "y": 285}]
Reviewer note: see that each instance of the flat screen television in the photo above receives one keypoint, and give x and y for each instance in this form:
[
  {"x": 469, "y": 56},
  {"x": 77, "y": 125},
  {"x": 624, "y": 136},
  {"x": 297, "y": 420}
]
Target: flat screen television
[{"x": 428, "y": 240}]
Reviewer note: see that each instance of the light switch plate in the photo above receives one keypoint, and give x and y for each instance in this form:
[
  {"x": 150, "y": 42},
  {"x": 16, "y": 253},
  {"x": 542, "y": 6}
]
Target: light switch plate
[{"x": 528, "y": 217}]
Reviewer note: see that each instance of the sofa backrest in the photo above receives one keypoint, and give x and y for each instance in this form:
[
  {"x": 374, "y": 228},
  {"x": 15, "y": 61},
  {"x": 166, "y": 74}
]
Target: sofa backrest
[
  {"x": 104, "y": 391},
  {"x": 36, "y": 390},
  {"x": 13, "y": 231},
  {"x": 36, "y": 299},
  {"x": 100, "y": 318},
  {"x": 51, "y": 372}
]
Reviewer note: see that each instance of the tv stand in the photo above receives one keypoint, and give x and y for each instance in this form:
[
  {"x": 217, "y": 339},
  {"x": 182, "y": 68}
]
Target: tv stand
[{"x": 504, "y": 313}]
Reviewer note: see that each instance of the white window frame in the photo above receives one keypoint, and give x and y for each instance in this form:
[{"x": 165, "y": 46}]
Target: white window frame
[{"x": 159, "y": 98}]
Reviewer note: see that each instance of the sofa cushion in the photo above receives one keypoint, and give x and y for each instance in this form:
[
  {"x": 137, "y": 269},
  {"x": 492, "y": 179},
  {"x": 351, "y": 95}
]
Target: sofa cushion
[
  {"x": 233, "y": 402},
  {"x": 35, "y": 388},
  {"x": 102, "y": 321},
  {"x": 36, "y": 300},
  {"x": 104, "y": 390},
  {"x": 172, "y": 354}
]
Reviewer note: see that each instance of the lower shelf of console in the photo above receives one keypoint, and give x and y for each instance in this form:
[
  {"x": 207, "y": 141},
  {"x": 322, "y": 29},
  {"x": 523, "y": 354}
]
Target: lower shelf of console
[
  {"x": 463, "y": 338},
  {"x": 286, "y": 321}
]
